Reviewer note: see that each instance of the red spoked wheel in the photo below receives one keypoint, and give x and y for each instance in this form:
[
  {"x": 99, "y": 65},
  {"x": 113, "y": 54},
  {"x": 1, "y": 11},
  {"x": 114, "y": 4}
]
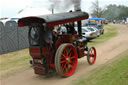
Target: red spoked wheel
[
  {"x": 66, "y": 60},
  {"x": 91, "y": 55}
]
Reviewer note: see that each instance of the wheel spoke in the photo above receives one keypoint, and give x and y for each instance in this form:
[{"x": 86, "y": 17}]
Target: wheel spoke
[
  {"x": 91, "y": 51},
  {"x": 63, "y": 55},
  {"x": 72, "y": 57},
  {"x": 62, "y": 67},
  {"x": 69, "y": 55},
  {"x": 91, "y": 59},
  {"x": 66, "y": 70},
  {"x": 90, "y": 55},
  {"x": 70, "y": 62},
  {"x": 66, "y": 52},
  {"x": 69, "y": 52},
  {"x": 70, "y": 65},
  {"x": 62, "y": 61}
]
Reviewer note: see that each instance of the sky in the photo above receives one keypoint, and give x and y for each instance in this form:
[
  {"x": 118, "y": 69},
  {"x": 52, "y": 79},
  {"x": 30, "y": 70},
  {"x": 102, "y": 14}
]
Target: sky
[{"x": 9, "y": 8}]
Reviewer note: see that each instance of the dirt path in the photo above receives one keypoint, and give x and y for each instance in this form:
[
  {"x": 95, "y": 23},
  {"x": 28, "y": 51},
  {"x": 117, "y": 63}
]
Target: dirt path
[{"x": 106, "y": 51}]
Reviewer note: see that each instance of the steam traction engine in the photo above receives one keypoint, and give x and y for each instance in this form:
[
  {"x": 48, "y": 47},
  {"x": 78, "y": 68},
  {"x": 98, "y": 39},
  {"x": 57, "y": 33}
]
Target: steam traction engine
[{"x": 51, "y": 49}]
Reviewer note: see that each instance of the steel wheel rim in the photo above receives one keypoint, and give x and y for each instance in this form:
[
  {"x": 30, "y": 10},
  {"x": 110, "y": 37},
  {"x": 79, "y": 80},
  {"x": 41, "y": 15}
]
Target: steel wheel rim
[
  {"x": 68, "y": 60},
  {"x": 92, "y": 55}
]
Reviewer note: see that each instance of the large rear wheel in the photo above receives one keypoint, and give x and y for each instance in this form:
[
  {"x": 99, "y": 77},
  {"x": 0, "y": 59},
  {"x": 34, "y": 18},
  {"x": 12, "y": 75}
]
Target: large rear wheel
[
  {"x": 91, "y": 55},
  {"x": 66, "y": 60}
]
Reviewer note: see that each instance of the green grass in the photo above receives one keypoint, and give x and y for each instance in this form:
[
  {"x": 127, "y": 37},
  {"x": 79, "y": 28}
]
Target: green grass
[
  {"x": 14, "y": 62},
  {"x": 113, "y": 73},
  {"x": 109, "y": 32}
]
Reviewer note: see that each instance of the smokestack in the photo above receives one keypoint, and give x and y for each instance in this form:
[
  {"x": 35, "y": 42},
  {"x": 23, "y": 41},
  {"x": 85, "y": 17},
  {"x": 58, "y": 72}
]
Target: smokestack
[
  {"x": 77, "y": 5},
  {"x": 79, "y": 29},
  {"x": 52, "y": 10}
]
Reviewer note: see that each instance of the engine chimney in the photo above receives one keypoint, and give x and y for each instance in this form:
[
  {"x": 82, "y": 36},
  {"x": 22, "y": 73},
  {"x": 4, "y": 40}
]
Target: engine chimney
[
  {"x": 79, "y": 29},
  {"x": 79, "y": 25}
]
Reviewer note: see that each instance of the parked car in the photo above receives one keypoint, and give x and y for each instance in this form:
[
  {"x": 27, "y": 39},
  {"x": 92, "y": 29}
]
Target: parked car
[
  {"x": 88, "y": 34},
  {"x": 100, "y": 27},
  {"x": 95, "y": 30},
  {"x": 98, "y": 31}
]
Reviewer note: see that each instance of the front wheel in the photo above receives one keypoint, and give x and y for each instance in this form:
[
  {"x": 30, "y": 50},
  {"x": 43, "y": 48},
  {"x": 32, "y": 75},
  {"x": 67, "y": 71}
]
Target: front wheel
[
  {"x": 66, "y": 60},
  {"x": 91, "y": 55}
]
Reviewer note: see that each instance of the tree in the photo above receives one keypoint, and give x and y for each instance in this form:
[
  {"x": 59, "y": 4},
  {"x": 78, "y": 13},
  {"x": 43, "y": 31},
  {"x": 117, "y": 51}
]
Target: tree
[
  {"x": 96, "y": 9},
  {"x": 115, "y": 12}
]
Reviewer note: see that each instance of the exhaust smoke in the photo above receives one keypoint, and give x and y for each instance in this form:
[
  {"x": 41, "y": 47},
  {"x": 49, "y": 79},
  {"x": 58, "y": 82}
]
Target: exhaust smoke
[{"x": 63, "y": 5}]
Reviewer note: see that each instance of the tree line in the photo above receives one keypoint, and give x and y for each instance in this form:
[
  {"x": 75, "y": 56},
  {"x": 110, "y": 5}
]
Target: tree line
[{"x": 110, "y": 12}]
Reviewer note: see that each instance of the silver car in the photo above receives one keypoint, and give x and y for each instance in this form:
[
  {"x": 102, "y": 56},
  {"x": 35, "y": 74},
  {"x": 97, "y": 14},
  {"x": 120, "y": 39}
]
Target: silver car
[
  {"x": 87, "y": 33},
  {"x": 94, "y": 29},
  {"x": 100, "y": 27}
]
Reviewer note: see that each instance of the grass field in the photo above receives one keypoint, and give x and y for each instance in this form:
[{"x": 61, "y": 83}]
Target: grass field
[
  {"x": 15, "y": 62},
  {"x": 114, "y": 73}
]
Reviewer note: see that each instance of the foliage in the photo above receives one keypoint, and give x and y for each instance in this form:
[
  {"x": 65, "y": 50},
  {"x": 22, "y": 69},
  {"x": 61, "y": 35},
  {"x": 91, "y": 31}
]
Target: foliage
[
  {"x": 96, "y": 9},
  {"x": 115, "y": 12},
  {"x": 110, "y": 12}
]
